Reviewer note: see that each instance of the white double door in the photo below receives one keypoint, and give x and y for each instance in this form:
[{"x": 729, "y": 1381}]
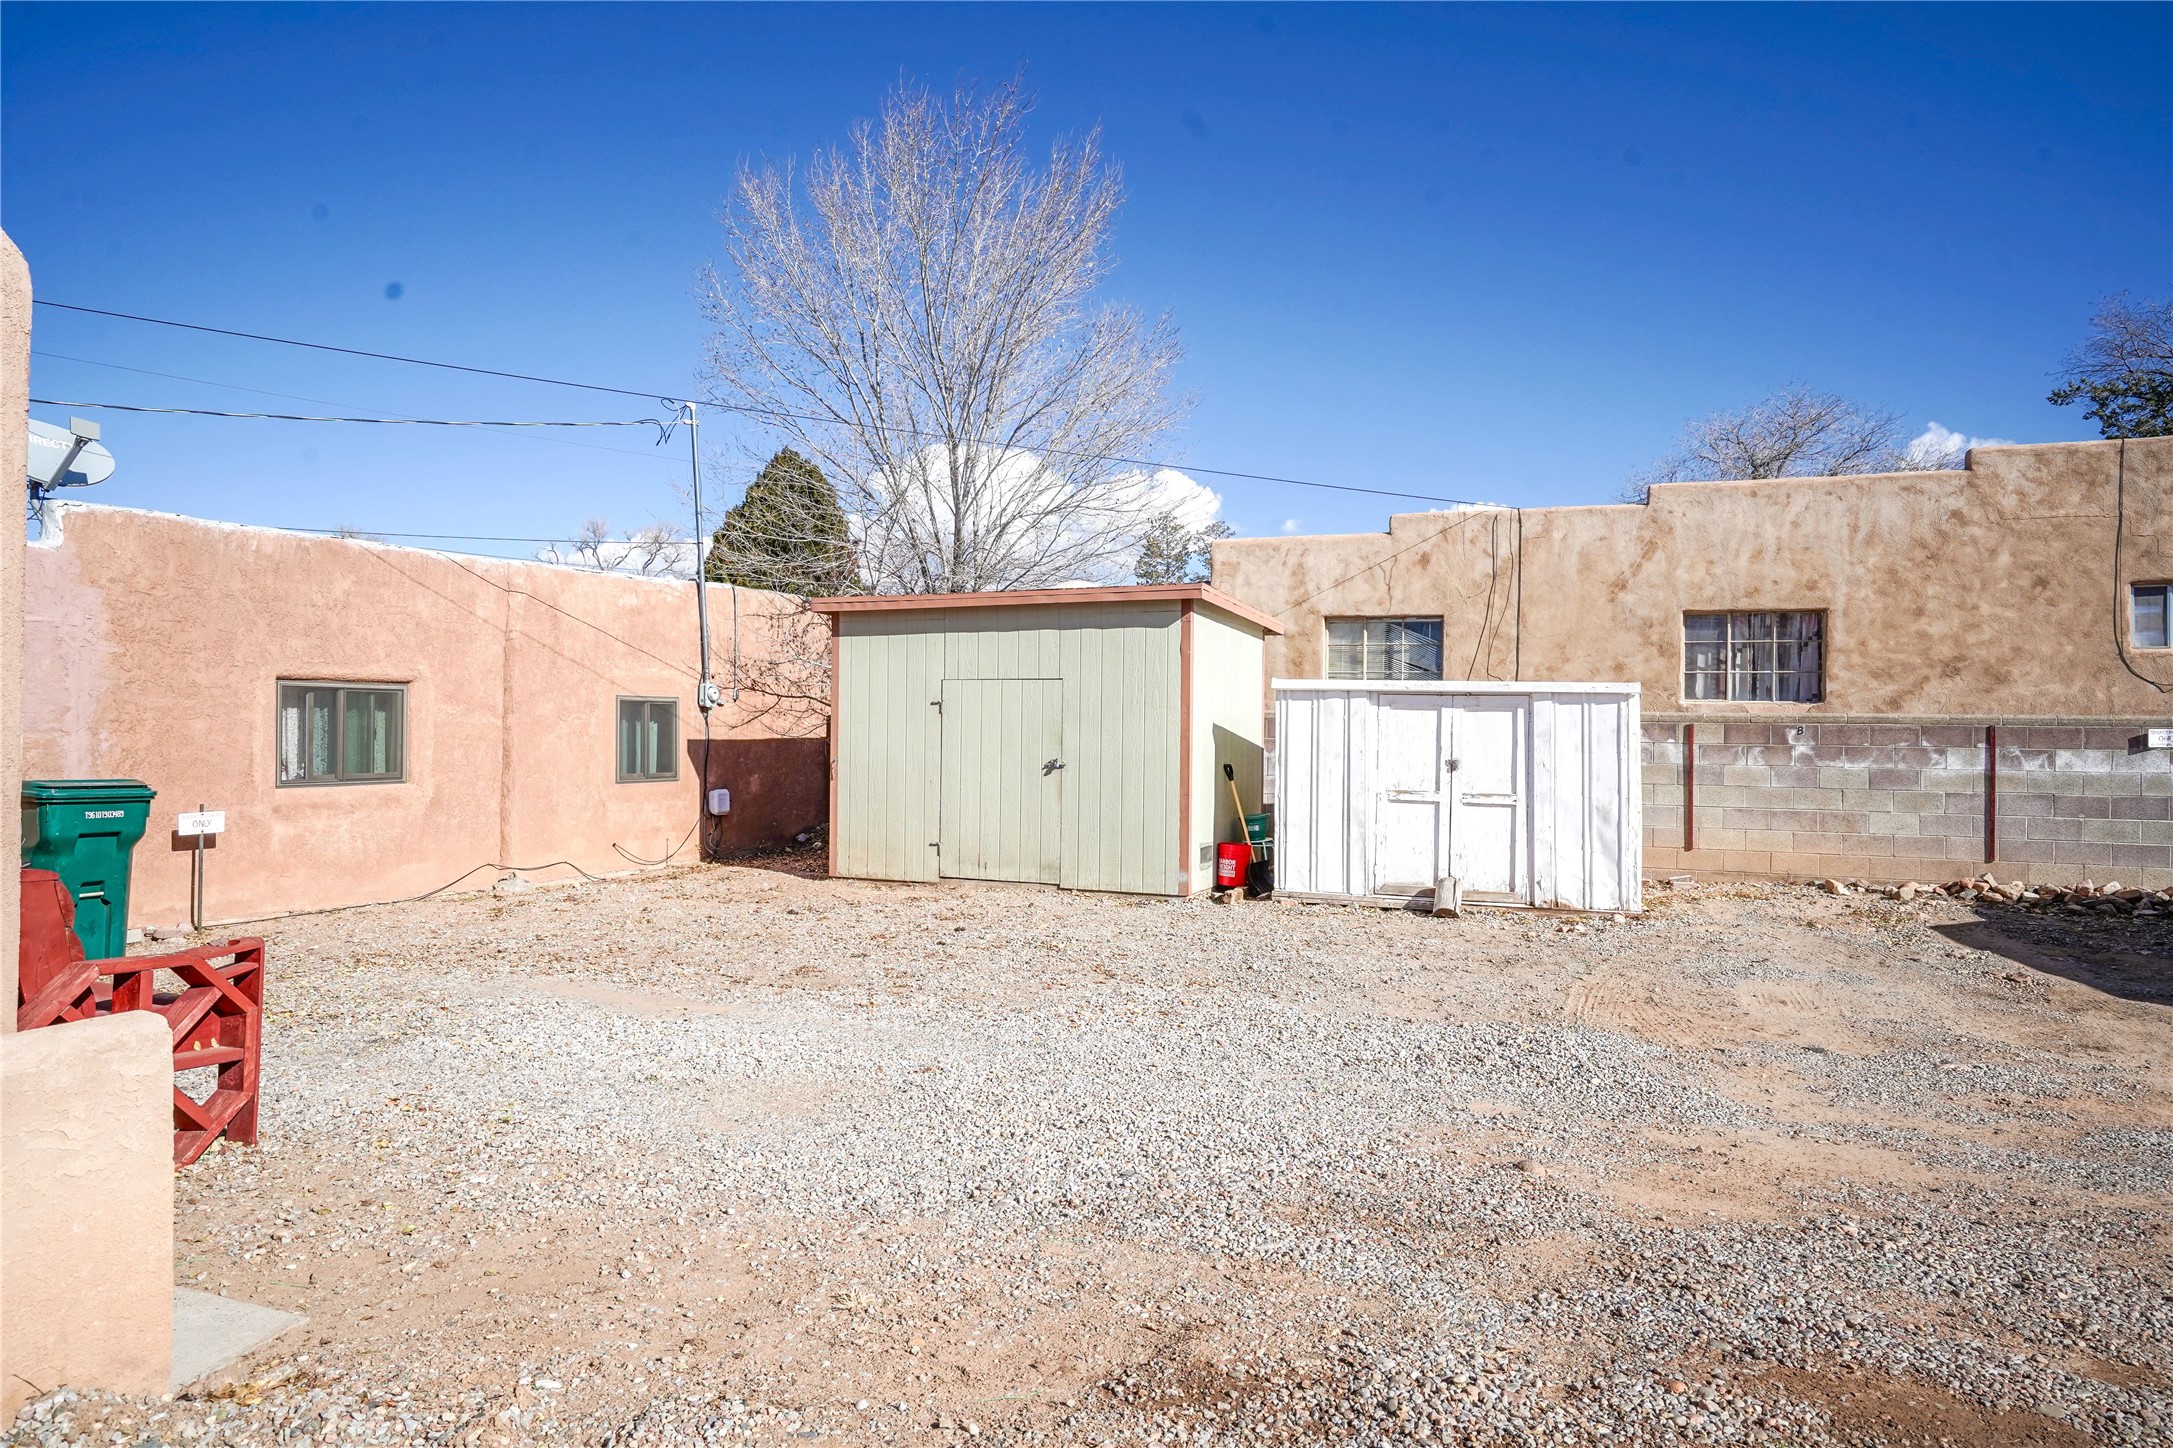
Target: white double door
[{"x": 1450, "y": 794}]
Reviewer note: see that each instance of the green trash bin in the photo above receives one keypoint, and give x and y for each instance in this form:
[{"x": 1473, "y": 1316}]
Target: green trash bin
[
  {"x": 1256, "y": 830},
  {"x": 85, "y": 831}
]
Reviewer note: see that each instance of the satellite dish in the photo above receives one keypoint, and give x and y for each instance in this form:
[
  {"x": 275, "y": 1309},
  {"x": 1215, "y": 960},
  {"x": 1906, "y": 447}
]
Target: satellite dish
[{"x": 67, "y": 457}]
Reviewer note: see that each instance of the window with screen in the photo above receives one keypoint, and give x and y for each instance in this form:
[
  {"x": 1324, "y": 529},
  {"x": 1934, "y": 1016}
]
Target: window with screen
[
  {"x": 1774, "y": 658},
  {"x": 342, "y": 733},
  {"x": 1384, "y": 648},
  {"x": 2147, "y": 622},
  {"x": 648, "y": 739}
]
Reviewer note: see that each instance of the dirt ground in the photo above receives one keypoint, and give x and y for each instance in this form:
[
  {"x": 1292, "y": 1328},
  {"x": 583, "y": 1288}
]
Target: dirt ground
[{"x": 738, "y": 1154}]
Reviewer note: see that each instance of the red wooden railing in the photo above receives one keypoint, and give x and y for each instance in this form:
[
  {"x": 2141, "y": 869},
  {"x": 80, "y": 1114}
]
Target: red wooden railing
[{"x": 217, "y": 1017}]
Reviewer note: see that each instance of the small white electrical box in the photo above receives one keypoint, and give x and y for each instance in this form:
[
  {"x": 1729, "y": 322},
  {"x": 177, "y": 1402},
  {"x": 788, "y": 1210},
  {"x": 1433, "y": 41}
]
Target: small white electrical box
[
  {"x": 2158, "y": 739},
  {"x": 720, "y": 801}
]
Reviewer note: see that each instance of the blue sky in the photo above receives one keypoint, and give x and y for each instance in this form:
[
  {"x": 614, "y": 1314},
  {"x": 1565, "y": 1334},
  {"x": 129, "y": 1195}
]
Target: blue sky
[{"x": 1501, "y": 253}]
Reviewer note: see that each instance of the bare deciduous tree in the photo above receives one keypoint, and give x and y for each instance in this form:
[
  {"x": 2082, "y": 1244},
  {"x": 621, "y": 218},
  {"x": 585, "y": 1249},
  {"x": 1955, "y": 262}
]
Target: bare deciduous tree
[
  {"x": 2125, "y": 370},
  {"x": 656, "y": 550},
  {"x": 1794, "y": 433},
  {"x": 917, "y": 315}
]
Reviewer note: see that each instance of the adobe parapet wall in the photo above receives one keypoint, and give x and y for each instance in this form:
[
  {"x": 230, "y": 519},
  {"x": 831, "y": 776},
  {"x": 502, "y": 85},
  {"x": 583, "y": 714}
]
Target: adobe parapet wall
[
  {"x": 1988, "y": 591},
  {"x": 155, "y": 649},
  {"x": 1993, "y": 595}
]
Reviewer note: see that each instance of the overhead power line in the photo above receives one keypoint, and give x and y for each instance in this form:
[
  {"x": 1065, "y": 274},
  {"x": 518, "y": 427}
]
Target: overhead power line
[
  {"x": 297, "y": 417},
  {"x": 755, "y": 413},
  {"x": 358, "y": 352},
  {"x": 298, "y": 397}
]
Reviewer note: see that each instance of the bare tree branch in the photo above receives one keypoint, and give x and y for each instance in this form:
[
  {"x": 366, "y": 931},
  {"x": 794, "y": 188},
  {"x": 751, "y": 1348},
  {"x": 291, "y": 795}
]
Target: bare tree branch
[
  {"x": 1794, "y": 433},
  {"x": 916, "y": 315}
]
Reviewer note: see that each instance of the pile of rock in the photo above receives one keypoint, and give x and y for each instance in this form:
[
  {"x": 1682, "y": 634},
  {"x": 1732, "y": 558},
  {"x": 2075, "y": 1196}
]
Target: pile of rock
[{"x": 2089, "y": 897}]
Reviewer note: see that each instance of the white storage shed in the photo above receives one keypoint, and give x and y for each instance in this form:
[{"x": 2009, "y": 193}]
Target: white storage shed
[
  {"x": 1065, "y": 736},
  {"x": 1524, "y": 793}
]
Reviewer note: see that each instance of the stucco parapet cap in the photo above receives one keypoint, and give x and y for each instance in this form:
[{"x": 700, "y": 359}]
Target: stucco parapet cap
[
  {"x": 1042, "y": 597},
  {"x": 58, "y": 512},
  {"x": 1446, "y": 686}
]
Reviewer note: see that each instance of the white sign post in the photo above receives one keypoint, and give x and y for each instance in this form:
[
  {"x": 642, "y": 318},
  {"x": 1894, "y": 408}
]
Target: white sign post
[{"x": 199, "y": 825}]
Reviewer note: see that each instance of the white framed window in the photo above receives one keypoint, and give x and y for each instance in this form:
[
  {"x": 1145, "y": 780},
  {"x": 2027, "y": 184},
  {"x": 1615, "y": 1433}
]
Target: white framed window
[
  {"x": 1776, "y": 658},
  {"x": 2147, "y": 621},
  {"x": 648, "y": 739},
  {"x": 1384, "y": 648},
  {"x": 331, "y": 733}
]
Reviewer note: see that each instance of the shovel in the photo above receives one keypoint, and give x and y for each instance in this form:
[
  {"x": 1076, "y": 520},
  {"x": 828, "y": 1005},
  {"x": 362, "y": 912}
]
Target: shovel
[{"x": 1252, "y": 850}]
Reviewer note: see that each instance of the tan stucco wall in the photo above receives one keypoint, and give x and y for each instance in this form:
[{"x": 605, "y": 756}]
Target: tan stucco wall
[
  {"x": 1985, "y": 592},
  {"x": 156, "y": 643},
  {"x": 86, "y": 1208}
]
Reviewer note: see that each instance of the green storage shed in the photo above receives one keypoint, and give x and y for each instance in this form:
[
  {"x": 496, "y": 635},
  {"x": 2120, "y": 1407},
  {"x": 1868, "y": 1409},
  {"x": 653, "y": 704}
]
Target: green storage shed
[{"x": 1063, "y": 736}]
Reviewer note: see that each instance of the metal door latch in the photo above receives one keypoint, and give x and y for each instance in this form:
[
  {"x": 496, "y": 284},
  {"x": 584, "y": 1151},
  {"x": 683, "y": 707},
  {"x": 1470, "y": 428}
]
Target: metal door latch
[
  {"x": 1450, "y": 764},
  {"x": 1052, "y": 766}
]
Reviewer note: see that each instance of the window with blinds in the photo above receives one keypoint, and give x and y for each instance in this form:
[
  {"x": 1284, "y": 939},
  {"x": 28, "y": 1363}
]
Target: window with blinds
[
  {"x": 342, "y": 733},
  {"x": 2147, "y": 616},
  {"x": 1384, "y": 648},
  {"x": 648, "y": 739}
]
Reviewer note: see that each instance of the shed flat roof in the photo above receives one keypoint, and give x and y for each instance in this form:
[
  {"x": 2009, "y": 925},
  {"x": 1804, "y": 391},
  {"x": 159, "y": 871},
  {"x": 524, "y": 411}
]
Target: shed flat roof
[
  {"x": 1447, "y": 686},
  {"x": 1030, "y": 597}
]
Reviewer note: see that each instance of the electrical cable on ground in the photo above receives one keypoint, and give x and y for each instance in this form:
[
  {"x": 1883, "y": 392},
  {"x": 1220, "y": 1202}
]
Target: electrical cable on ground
[
  {"x": 411, "y": 899},
  {"x": 626, "y": 854}
]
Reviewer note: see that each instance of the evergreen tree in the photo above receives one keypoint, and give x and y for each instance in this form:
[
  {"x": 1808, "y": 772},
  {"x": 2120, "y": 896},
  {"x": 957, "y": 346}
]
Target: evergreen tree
[
  {"x": 1172, "y": 553},
  {"x": 787, "y": 534}
]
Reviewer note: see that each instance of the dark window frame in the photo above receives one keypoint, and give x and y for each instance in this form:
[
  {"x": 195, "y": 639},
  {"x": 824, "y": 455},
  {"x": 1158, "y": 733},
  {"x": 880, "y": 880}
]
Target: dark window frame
[
  {"x": 2164, "y": 594},
  {"x": 1396, "y": 655},
  {"x": 338, "y": 775},
  {"x": 618, "y": 744},
  {"x": 1750, "y": 649}
]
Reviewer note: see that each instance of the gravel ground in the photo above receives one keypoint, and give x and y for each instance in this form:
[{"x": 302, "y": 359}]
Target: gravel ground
[{"x": 738, "y": 1154}]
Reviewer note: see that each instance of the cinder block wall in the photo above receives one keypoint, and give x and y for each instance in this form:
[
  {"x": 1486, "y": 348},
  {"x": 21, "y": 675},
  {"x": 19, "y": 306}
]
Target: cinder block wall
[{"x": 1895, "y": 801}]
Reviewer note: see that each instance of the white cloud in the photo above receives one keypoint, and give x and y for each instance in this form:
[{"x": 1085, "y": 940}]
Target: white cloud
[
  {"x": 1290, "y": 525},
  {"x": 1938, "y": 446},
  {"x": 1051, "y": 535},
  {"x": 1193, "y": 502}
]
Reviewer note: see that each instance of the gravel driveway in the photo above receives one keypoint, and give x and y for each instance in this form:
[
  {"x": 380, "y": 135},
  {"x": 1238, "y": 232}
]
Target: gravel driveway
[{"x": 737, "y": 1153}]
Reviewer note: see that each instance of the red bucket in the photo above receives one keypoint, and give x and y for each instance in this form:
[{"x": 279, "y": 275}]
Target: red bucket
[{"x": 1230, "y": 864}]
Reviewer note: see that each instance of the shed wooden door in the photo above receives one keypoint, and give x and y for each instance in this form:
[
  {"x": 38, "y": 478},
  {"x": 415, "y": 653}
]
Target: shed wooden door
[
  {"x": 1412, "y": 746},
  {"x": 1449, "y": 794},
  {"x": 1003, "y": 780},
  {"x": 1489, "y": 806}
]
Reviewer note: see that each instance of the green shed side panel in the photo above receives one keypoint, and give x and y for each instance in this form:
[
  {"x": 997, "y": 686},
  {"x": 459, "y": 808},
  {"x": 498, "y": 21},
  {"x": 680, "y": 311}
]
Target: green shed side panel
[
  {"x": 1119, "y": 667},
  {"x": 1121, "y": 746},
  {"x": 1227, "y": 685}
]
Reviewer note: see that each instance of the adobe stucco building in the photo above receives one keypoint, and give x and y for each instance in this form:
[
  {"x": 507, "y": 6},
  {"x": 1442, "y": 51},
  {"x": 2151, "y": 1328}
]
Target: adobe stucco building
[
  {"x": 1891, "y": 677},
  {"x": 86, "y": 1131},
  {"x": 375, "y": 720}
]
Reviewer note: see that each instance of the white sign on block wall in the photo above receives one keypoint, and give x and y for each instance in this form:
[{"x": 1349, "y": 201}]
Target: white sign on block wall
[
  {"x": 2158, "y": 739},
  {"x": 202, "y": 822}
]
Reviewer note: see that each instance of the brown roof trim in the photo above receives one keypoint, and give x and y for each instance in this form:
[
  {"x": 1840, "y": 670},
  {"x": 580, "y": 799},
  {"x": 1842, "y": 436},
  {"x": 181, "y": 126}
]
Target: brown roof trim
[{"x": 1028, "y": 597}]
